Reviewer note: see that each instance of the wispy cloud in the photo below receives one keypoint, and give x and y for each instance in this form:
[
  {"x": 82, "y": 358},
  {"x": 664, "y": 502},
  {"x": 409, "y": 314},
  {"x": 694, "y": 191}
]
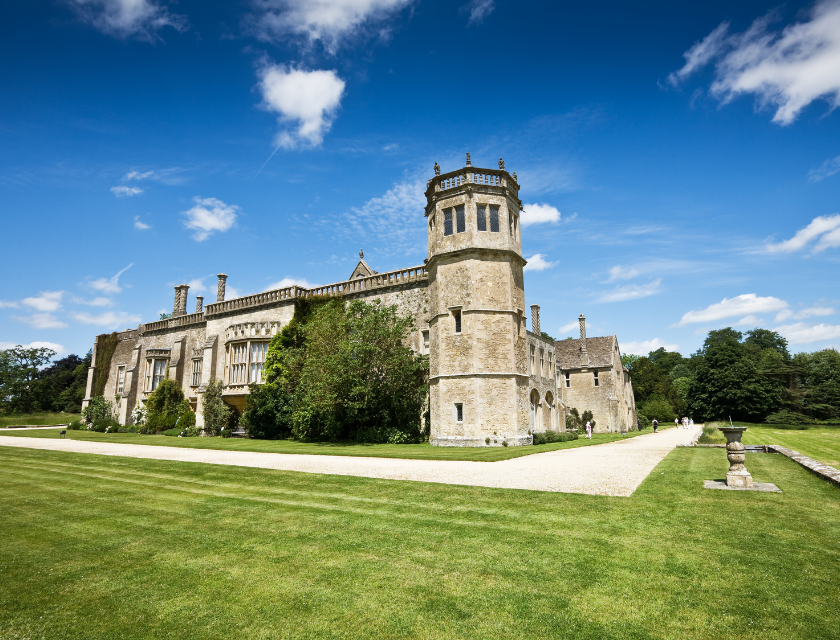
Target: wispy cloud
[
  {"x": 290, "y": 282},
  {"x": 744, "y": 305},
  {"x": 573, "y": 327},
  {"x": 42, "y": 321},
  {"x": 478, "y": 10},
  {"x": 305, "y": 101},
  {"x": 139, "y": 224},
  {"x": 109, "y": 285},
  {"x": 788, "y": 69},
  {"x": 802, "y": 314},
  {"x": 825, "y": 170},
  {"x": 46, "y": 301},
  {"x": 623, "y": 273},
  {"x": 208, "y": 216},
  {"x": 824, "y": 228},
  {"x": 329, "y": 22},
  {"x": 109, "y": 319},
  {"x": 96, "y": 302},
  {"x": 123, "y": 191},
  {"x": 643, "y": 347},
  {"x": 538, "y": 214},
  {"x": 391, "y": 219},
  {"x": 168, "y": 175},
  {"x": 537, "y": 262},
  {"x": 140, "y": 19},
  {"x": 804, "y": 332},
  {"x": 631, "y": 291}
]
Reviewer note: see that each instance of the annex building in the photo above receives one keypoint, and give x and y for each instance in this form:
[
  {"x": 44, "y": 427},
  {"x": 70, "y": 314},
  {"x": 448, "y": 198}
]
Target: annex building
[{"x": 491, "y": 381}]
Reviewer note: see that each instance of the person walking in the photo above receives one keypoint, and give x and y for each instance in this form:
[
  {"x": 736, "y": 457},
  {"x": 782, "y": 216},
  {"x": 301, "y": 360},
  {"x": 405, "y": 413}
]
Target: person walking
[
  {"x": 655, "y": 424},
  {"x": 676, "y": 422},
  {"x": 639, "y": 423},
  {"x": 589, "y": 430}
]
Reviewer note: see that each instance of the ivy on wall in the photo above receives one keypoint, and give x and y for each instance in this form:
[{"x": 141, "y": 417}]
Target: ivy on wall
[{"x": 106, "y": 345}]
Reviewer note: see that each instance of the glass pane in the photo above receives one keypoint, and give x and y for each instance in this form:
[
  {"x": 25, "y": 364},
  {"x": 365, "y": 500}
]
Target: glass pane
[
  {"x": 447, "y": 222},
  {"x": 461, "y": 219},
  {"x": 482, "y": 217},
  {"x": 494, "y": 218}
]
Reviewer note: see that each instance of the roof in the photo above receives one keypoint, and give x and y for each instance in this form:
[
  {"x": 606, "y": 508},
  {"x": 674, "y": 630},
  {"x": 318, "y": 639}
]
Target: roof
[{"x": 600, "y": 350}]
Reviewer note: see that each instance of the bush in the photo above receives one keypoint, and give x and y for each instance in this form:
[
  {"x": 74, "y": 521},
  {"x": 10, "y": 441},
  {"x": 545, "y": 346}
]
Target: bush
[
  {"x": 711, "y": 435},
  {"x": 191, "y": 432},
  {"x": 554, "y": 436},
  {"x": 165, "y": 406},
  {"x": 76, "y": 425},
  {"x": 105, "y": 425},
  {"x": 129, "y": 428},
  {"x": 98, "y": 409},
  {"x": 643, "y": 420},
  {"x": 217, "y": 414},
  {"x": 660, "y": 409},
  {"x": 268, "y": 412},
  {"x": 788, "y": 417},
  {"x": 171, "y": 432}
]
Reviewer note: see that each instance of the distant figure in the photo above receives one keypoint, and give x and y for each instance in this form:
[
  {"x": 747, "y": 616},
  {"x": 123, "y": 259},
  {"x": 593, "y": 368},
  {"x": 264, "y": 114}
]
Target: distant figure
[
  {"x": 639, "y": 423},
  {"x": 655, "y": 424},
  {"x": 676, "y": 422},
  {"x": 589, "y": 430},
  {"x": 691, "y": 423}
]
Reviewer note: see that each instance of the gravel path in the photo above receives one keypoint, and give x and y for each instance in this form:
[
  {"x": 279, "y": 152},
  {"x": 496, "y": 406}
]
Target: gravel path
[{"x": 613, "y": 469}]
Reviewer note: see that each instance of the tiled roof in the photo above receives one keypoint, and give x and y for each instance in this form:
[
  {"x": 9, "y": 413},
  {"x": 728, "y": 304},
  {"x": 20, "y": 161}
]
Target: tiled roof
[{"x": 600, "y": 352}]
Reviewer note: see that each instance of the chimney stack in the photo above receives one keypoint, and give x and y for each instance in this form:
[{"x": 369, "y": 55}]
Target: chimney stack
[
  {"x": 535, "y": 318},
  {"x": 179, "y": 308},
  {"x": 220, "y": 292},
  {"x": 584, "y": 356},
  {"x": 199, "y": 304}
]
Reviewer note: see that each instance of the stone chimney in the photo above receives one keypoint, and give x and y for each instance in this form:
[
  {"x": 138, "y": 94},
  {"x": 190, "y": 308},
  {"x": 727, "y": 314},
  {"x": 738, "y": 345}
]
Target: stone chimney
[
  {"x": 199, "y": 304},
  {"x": 535, "y": 318},
  {"x": 179, "y": 308},
  {"x": 220, "y": 292},
  {"x": 584, "y": 356}
]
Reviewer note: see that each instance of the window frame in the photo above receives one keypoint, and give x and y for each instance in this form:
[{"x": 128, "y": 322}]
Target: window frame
[
  {"x": 495, "y": 212},
  {"x": 197, "y": 366},
  {"x": 242, "y": 372},
  {"x": 120, "y": 379},
  {"x": 595, "y": 379},
  {"x": 481, "y": 217},
  {"x": 457, "y": 321},
  {"x": 458, "y": 411},
  {"x": 567, "y": 377},
  {"x": 448, "y": 227},
  {"x": 460, "y": 219}
]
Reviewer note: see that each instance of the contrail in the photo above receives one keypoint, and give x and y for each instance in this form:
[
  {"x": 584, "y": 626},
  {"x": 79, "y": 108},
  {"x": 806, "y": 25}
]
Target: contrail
[{"x": 266, "y": 162}]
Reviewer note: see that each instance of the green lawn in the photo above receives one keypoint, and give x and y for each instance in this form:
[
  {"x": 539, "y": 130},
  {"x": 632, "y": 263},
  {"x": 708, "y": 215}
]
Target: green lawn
[
  {"x": 38, "y": 419},
  {"x": 413, "y": 451},
  {"x": 99, "y": 547},
  {"x": 822, "y": 444}
]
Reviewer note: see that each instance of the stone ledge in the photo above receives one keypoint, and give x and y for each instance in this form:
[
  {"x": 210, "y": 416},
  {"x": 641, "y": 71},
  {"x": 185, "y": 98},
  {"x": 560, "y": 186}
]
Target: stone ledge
[
  {"x": 819, "y": 469},
  {"x": 764, "y": 487}
]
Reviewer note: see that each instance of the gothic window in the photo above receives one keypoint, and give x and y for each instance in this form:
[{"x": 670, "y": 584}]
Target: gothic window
[
  {"x": 542, "y": 361},
  {"x": 481, "y": 216},
  {"x": 459, "y": 412},
  {"x": 120, "y": 379},
  {"x": 550, "y": 364},
  {"x": 568, "y": 380},
  {"x": 196, "y": 372},
  {"x": 595, "y": 374},
  {"x": 258, "y": 351},
  {"x": 447, "y": 222},
  {"x": 532, "y": 360},
  {"x": 460, "y": 219},
  {"x": 494, "y": 219},
  {"x": 457, "y": 316},
  {"x": 158, "y": 373}
]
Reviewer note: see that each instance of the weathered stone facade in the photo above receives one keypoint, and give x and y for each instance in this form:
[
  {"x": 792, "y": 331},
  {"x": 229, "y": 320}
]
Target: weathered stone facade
[{"x": 492, "y": 382}]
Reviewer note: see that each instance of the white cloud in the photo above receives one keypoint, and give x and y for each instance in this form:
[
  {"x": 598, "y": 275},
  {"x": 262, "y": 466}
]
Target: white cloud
[
  {"x": 289, "y": 282},
  {"x": 42, "y": 321},
  {"x": 96, "y": 302},
  {"x": 109, "y": 285},
  {"x": 826, "y": 228},
  {"x": 306, "y": 100},
  {"x": 539, "y": 213},
  {"x": 197, "y": 285},
  {"x": 825, "y": 170},
  {"x": 631, "y": 291},
  {"x": 537, "y": 262},
  {"x": 37, "y": 344},
  {"x": 126, "y": 191},
  {"x": 623, "y": 273},
  {"x": 644, "y": 347},
  {"x": 126, "y": 18},
  {"x": 786, "y": 314},
  {"x": 392, "y": 218},
  {"x": 329, "y": 22},
  {"x": 804, "y": 332},
  {"x": 208, "y": 216},
  {"x": 10, "y": 304},
  {"x": 109, "y": 319},
  {"x": 47, "y": 301},
  {"x": 750, "y": 320},
  {"x": 745, "y": 304},
  {"x": 169, "y": 175},
  {"x": 139, "y": 224},
  {"x": 787, "y": 69},
  {"x": 231, "y": 293},
  {"x": 478, "y": 10},
  {"x": 573, "y": 326}
]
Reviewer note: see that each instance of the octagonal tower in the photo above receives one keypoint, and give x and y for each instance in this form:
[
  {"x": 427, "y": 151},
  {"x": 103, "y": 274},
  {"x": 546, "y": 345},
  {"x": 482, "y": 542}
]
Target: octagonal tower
[{"x": 478, "y": 370}]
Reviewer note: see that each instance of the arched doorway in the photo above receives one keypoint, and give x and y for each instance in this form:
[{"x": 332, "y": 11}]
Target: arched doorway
[{"x": 549, "y": 401}]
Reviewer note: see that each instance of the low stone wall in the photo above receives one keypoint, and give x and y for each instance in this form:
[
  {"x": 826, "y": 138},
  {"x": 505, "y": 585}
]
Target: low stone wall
[{"x": 819, "y": 469}]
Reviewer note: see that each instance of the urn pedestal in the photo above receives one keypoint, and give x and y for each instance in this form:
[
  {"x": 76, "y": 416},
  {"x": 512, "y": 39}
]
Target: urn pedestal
[{"x": 737, "y": 476}]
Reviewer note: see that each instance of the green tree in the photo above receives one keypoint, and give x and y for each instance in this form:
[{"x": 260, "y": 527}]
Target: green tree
[
  {"x": 665, "y": 360},
  {"x": 217, "y": 414},
  {"x": 165, "y": 406},
  {"x": 19, "y": 373},
  {"x": 629, "y": 360},
  {"x": 658, "y": 408},
  {"x": 268, "y": 412},
  {"x": 650, "y": 381},
  {"x": 61, "y": 386},
  {"x": 763, "y": 339},
  {"x": 546, "y": 336},
  {"x": 821, "y": 379}
]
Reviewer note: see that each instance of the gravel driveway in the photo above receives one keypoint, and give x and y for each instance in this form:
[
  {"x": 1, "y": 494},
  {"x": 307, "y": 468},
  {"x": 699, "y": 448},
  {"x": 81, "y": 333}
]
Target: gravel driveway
[{"x": 613, "y": 469}]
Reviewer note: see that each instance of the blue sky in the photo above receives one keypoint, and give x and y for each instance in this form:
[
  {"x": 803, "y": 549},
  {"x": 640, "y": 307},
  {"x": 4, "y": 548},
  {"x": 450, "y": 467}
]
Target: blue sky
[{"x": 680, "y": 165}]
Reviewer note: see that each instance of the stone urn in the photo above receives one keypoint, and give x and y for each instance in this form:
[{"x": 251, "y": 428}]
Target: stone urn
[{"x": 737, "y": 476}]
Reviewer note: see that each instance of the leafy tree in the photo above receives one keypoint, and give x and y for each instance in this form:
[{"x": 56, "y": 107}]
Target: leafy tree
[
  {"x": 821, "y": 379},
  {"x": 19, "y": 373},
  {"x": 665, "y": 360},
  {"x": 762, "y": 339},
  {"x": 165, "y": 406},
  {"x": 650, "y": 381},
  {"x": 659, "y": 408},
  {"x": 61, "y": 386},
  {"x": 217, "y": 414},
  {"x": 268, "y": 412},
  {"x": 629, "y": 360},
  {"x": 546, "y": 336}
]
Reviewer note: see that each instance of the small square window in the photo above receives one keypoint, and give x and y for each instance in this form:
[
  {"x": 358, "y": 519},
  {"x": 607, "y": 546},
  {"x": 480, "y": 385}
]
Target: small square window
[
  {"x": 481, "y": 216},
  {"x": 425, "y": 341},
  {"x": 595, "y": 378},
  {"x": 457, "y": 315},
  {"x": 447, "y": 222},
  {"x": 568, "y": 380},
  {"x": 494, "y": 219},
  {"x": 459, "y": 412},
  {"x": 460, "y": 219}
]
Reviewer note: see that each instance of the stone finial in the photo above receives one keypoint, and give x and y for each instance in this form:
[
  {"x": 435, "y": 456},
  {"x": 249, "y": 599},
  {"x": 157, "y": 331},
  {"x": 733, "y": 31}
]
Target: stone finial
[
  {"x": 501, "y": 164},
  {"x": 220, "y": 292},
  {"x": 437, "y": 169},
  {"x": 469, "y": 164},
  {"x": 514, "y": 177},
  {"x": 361, "y": 254},
  {"x": 535, "y": 318},
  {"x": 199, "y": 304}
]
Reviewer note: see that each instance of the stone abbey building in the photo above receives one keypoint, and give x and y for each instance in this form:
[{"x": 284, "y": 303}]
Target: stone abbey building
[{"x": 491, "y": 380}]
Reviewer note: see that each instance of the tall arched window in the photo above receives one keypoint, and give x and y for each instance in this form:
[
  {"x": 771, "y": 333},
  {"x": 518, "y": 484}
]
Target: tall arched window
[{"x": 535, "y": 405}]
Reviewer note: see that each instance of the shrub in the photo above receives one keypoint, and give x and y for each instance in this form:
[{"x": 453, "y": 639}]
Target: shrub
[
  {"x": 165, "y": 405},
  {"x": 660, "y": 409},
  {"x": 217, "y": 414},
  {"x": 554, "y": 436},
  {"x": 268, "y": 412},
  {"x": 129, "y": 428},
  {"x": 76, "y": 425},
  {"x": 171, "y": 432},
  {"x": 98, "y": 409},
  {"x": 191, "y": 432},
  {"x": 788, "y": 417},
  {"x": 643, "y": 420},
  {"x": 711, "y": 435},
  {"x": 105, "y": 425}
]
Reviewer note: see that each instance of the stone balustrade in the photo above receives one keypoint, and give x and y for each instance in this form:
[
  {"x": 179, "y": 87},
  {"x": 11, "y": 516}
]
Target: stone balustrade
[
  {"x": 255, "y": 300},
  {"x": 491, "y": 177},
  {"x": 173, "y": 323}
]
